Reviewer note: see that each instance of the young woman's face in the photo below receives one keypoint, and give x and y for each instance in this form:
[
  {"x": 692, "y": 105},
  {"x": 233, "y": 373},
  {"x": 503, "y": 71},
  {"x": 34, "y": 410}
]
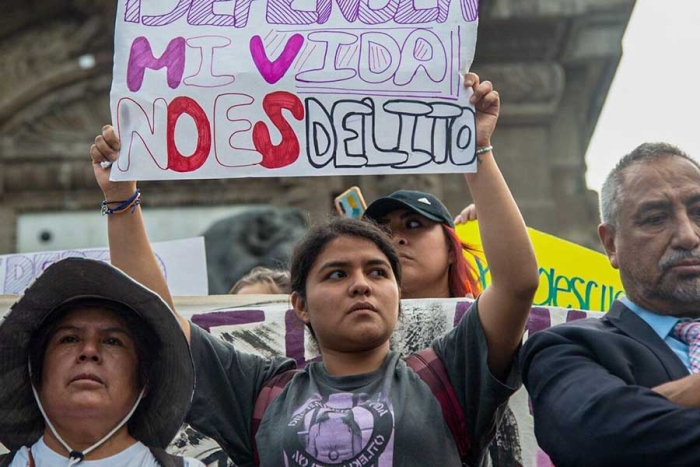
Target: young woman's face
[
  {"x": 424, "y": 253},
  {"x": 352, "y": 298}
]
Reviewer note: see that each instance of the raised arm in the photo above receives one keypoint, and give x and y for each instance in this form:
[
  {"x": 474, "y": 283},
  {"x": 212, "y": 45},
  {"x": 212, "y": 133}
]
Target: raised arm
[
  {"x": 505, "y": 304},
  {"x": 129, "y": 247}
]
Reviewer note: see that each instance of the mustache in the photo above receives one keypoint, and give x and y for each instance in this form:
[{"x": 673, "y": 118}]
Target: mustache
[{"x": 672, "y": 259}]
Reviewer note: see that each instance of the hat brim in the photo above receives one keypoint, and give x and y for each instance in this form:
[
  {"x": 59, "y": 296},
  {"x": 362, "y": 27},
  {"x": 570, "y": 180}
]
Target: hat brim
[
  {"x": 383, "y": 206},
  {"x": 171, "y": 380}
]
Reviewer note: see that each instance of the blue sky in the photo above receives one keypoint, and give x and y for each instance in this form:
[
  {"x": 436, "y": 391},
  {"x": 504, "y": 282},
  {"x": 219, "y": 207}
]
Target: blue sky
[{"x": 655, "y": 95}]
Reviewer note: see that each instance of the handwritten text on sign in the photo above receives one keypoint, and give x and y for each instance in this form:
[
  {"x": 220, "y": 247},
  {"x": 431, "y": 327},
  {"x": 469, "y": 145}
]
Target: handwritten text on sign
[
  {"x": 183, "y": 263},
  {"x": 212, "y": 89}
]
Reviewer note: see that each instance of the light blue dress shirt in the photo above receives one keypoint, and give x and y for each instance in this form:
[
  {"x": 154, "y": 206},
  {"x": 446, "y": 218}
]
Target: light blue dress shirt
[{"x": 663, "y": 326}]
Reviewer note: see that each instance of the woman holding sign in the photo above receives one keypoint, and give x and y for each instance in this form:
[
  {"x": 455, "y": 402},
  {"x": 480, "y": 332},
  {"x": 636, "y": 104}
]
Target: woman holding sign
[
  {"x": 433, "y": 263},
  {"x": 361, "y": 405}
]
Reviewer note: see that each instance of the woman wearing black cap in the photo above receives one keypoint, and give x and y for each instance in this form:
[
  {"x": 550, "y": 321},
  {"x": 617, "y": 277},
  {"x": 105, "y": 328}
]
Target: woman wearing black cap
[{"x": 431, "y": 254}]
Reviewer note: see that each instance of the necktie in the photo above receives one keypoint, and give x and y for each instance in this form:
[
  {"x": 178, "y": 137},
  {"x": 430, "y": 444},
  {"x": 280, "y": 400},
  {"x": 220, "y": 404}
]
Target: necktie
[{"x": 689, "y": 333}]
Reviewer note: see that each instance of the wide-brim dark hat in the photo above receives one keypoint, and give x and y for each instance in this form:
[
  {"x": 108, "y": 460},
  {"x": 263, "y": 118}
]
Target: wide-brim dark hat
[
  {"x": 171, "y": 380},
  {"x": 420, "y": 202}
]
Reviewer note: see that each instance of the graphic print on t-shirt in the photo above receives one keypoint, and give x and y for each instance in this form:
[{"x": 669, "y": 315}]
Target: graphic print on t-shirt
[{"x": 345, "y": 430}]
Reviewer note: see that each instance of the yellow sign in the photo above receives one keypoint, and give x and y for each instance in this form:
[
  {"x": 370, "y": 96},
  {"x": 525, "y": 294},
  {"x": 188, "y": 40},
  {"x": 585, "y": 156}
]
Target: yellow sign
[{"x": 571, "y": 276}]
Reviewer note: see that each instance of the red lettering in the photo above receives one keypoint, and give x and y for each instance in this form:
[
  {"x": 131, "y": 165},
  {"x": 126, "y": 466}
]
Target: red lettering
[
  {"x": 287, "y": 152},
  {"x": 176, "y": 160}
]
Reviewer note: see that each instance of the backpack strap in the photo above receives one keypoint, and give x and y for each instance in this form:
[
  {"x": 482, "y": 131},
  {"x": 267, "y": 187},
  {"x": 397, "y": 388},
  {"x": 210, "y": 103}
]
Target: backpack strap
[
  {"x": 270, "y": 390},
  {"x": 165, "y": 458},
  {"x": 431, "y": 370}
]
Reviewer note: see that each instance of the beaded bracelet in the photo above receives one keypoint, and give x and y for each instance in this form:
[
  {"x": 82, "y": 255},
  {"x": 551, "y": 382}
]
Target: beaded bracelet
[
  {"x": 123, "y": 206},
  {"x": 484, "y": 150}
]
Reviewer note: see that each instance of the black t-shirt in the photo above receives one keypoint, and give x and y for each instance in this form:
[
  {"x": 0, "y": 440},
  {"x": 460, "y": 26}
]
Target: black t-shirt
[{"x": 385, "y": 418}]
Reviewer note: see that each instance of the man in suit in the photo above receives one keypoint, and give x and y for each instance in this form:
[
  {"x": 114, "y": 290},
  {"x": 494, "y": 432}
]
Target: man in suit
[{"x": 625, "y": 389}]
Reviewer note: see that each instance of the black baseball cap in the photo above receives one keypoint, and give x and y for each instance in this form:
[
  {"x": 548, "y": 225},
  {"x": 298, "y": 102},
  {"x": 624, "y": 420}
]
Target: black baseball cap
[{"x": 420, "y": 202}]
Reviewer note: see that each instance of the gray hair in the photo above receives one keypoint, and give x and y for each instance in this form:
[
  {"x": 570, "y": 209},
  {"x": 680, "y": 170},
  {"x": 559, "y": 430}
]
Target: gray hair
[{"x": 611, "y": 194}]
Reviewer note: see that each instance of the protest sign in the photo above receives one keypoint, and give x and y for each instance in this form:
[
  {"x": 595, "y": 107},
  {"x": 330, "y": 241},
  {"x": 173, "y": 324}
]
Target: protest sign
[
  {"x": 210, "y": 89},
  {"x": 183, "y": 263},
  {"x": 571, "y": 276},
  {"x": 266, "y": 326}
]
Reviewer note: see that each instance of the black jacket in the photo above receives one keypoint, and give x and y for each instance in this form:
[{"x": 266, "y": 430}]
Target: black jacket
[{"x": 590, "y": 382}]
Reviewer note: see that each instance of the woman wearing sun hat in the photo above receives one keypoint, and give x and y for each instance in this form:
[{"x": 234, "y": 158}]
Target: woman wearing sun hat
[{"x": 94, "y": 371}]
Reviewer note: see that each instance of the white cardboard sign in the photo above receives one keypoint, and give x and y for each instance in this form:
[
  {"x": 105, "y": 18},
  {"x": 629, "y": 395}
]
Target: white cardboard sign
[
  {"x": 223, "y": 89},
  {"x": 183, "y": 263}
]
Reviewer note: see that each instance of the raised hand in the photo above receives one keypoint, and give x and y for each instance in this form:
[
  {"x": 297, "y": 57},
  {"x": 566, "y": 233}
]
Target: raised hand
[
  {"x": 488, "y": 106},
  {"x": 106, "y": 150}
]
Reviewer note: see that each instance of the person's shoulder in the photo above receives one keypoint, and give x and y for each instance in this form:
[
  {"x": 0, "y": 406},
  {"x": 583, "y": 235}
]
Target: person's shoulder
[
  {"x": 578, "y": 331},
  {"x": 599, "y": 323}
]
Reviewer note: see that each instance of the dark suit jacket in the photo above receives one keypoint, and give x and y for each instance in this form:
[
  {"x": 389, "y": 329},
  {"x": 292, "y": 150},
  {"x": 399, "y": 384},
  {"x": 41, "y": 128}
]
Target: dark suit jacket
[{"x": 589, "y": 383}]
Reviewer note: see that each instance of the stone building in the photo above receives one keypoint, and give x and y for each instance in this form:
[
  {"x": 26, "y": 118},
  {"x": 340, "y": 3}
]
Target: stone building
[{"x": 552, "y": 60}]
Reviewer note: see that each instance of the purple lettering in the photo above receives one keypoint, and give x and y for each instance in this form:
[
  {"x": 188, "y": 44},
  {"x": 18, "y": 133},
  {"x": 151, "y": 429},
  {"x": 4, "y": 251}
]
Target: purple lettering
[
  {"x": 420, "y": 47},
  {"x": 470, "y": 10},
  {"x": 141, "y": 57},
  {"x": 205, "y": 76},
  {"x": 377, "y": 50},
  {"x": 331, "y": 70},
  {"x": 408, "y": 13},
  {"x": 348, "y": 8},
  {"x": 167, "y": 18},
  {"x": 201, "y": 13},
  {"x": 369, "y": 15},
  {"x": 281, "y": 12},
  {"x": 19, "y": 273}
]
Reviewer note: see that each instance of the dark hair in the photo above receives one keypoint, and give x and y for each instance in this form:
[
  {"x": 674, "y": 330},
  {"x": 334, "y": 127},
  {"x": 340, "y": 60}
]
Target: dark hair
[
  {"x": 277, "y": 280},
  {"x": 312, "y": 244},
  {"x": 145, "y": 340},
  {"x": 463, "y": 278},
  {"x": 611, "y": 193}
]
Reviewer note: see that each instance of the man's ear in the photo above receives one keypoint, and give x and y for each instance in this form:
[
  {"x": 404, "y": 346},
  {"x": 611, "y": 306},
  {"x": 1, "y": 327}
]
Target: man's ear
[
  {"x": 299, "y": 305},
  {"x": 606, "y": 232}
]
